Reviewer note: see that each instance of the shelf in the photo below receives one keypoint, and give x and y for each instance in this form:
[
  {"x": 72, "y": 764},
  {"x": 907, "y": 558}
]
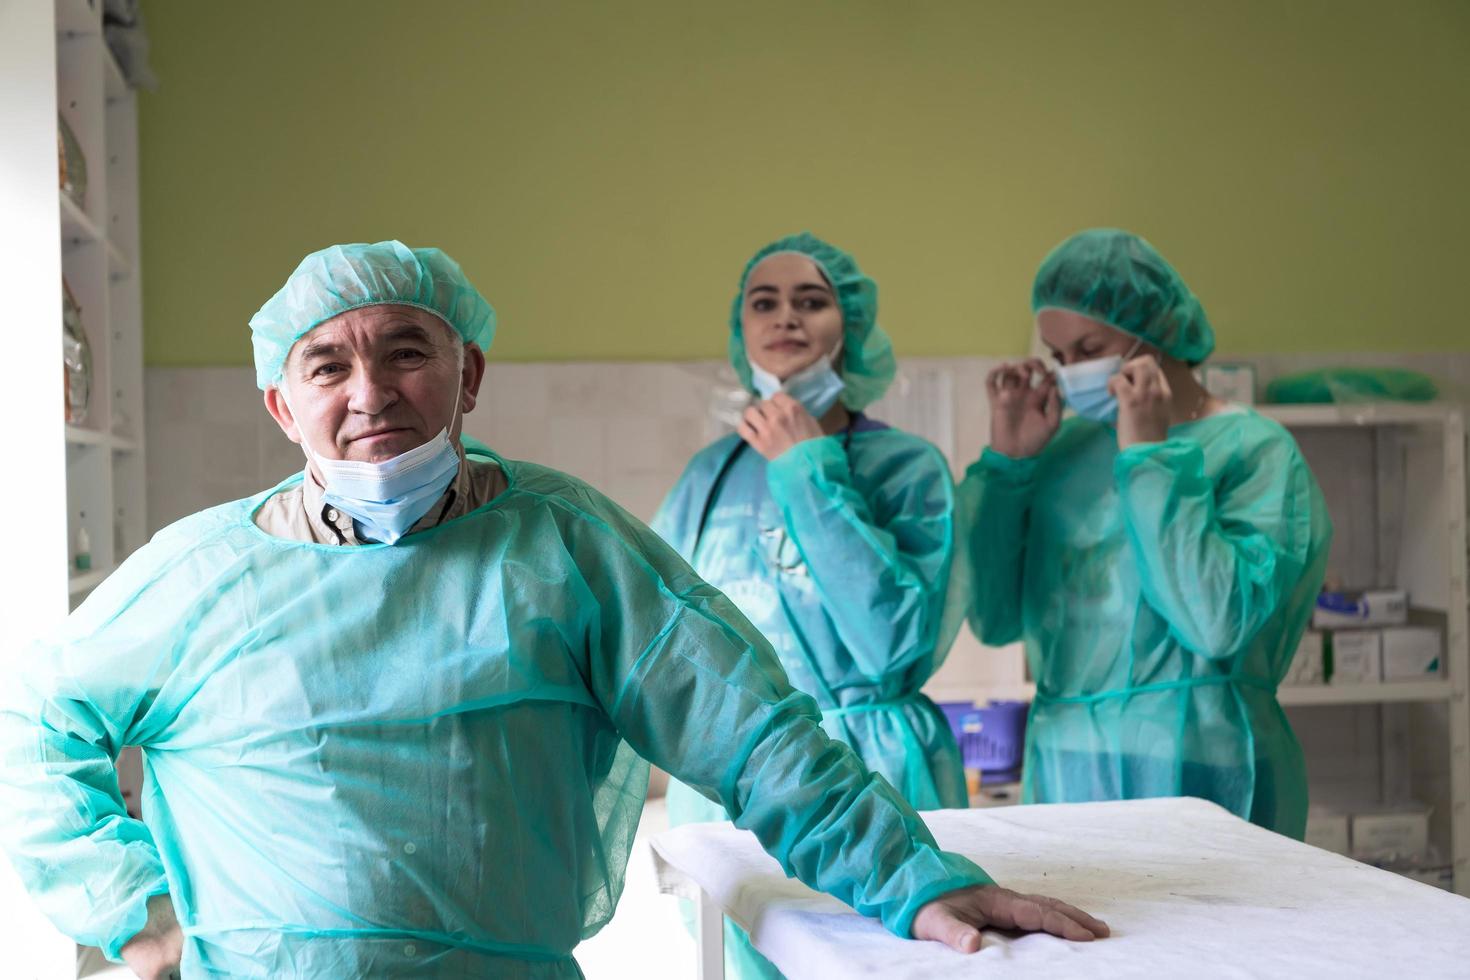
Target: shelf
[
  {"x": 78, "y": 229},
  {"x": 117, "y": 263},
  {"x": 78, "y": 436},
  {"x": 77, "y": 18},
  {"x": 116, "y": 84},
  {"x": 1386, "y": 693},
  {"x": 1313, "y": 694},
  {"x": 84, "y": 581},
  {"x": 1366, "y": 413}
]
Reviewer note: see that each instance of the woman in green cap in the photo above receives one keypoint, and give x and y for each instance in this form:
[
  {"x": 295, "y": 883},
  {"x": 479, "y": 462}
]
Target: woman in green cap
[
  {"x": 1159, "y": 554},
  {"x": 832, "y": 532}
]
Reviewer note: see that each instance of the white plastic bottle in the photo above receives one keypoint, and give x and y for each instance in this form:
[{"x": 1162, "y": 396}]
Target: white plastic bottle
[{"x": 83, "y": 558}]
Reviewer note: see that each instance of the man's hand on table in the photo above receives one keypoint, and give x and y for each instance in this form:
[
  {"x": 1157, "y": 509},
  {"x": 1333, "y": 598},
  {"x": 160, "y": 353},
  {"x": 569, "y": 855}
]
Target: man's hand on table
[{"x": 957, "y": 917}]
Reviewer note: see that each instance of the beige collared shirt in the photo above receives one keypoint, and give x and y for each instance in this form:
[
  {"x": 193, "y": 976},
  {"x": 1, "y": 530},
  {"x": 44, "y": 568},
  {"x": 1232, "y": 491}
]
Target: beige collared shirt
[{"x": 299, "y": 513}]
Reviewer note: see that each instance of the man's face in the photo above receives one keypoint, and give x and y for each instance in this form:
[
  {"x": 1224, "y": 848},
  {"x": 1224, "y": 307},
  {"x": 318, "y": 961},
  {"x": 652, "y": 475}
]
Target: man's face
[{"x": 375, "y": 382}]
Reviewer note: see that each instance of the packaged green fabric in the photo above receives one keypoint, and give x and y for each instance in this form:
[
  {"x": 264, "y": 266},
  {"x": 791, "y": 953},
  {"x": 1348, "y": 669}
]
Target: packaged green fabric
[{"x": 1339, "y": 385}]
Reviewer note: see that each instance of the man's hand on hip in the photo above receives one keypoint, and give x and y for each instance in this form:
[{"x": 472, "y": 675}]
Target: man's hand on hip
[{"x": 154, "y": 953}]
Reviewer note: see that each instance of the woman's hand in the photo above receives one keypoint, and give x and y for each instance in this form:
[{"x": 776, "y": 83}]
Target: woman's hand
[
  {"x": 774, "y": 426},
  {"x": 1145, "y": 403},
  {"x": 1025, "y": 408}
]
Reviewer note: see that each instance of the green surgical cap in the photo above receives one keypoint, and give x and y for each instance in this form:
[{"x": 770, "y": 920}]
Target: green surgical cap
[
  {"x": 347, "y": 277},
  {"x": 868, "y": 365},
  {"x": 1120, "y": 279}
]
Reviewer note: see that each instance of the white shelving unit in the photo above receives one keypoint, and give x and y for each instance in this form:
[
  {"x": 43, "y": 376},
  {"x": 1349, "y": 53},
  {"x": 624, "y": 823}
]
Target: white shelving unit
[
  {"x": 54, "y": 61},
  {"x": 1396, "y": 693},
  {"x": 99, "y": 243},
  {"x": 1394, "y": 477}
]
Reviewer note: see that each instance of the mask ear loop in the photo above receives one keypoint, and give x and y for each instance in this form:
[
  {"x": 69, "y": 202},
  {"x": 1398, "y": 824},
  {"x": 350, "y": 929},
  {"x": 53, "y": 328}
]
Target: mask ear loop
[
  {"x": 311, "y": 454},
  {"x": 834, "y": 359},
  {"x": 458, "y": 397}
]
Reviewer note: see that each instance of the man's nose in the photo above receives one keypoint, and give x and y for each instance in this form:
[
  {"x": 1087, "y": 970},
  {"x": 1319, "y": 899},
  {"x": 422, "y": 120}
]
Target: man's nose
[{"x": 371, "y": 393}]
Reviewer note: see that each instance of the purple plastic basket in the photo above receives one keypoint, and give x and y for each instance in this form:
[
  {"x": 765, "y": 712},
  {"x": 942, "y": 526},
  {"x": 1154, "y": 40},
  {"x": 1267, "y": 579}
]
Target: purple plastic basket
[
  {"x": 954, "y": 713},
  {"x": 993, "y": 738}
]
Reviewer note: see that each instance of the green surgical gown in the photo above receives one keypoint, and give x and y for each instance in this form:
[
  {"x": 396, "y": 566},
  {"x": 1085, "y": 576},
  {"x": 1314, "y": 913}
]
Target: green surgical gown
[
  {"x": 1160, "y": 592},
  {"x": 839, "y": 551},
  {"x": 421, "y": 759}
]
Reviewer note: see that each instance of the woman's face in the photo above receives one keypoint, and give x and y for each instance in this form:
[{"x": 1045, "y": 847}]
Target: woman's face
[
  {"x": 790, "y": 316},
  {"x": 1073, "y": 338}
]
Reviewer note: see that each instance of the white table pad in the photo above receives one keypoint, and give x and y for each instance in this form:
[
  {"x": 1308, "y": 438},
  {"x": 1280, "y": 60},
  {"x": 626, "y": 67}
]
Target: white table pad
[{"x": 1188, "y": 889}]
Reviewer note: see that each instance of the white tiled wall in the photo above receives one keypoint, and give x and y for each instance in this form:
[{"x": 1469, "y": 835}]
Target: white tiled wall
[{"x": 628, "y": 428}]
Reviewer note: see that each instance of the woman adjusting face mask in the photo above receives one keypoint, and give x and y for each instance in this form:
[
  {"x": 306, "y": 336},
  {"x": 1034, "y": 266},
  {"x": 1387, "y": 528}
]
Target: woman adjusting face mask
[
  {"x": 831, "y": 531},
  {"x": 815, "y": 388},
  {"x": 1158, "y": 555},
  {"x": 791, "y": 324}
]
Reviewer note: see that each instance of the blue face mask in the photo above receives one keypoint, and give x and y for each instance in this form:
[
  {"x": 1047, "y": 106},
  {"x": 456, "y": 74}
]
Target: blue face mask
[
  {"x": 817, "y": 386},
  {"x": 1084, "y": 386},
  {"x": 387, "y": 499}
]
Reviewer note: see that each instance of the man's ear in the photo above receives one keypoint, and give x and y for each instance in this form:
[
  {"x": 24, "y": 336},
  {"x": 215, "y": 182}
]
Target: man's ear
[
  {"x": 471, "y": 377},
  {"x": 275, "y": 403}
]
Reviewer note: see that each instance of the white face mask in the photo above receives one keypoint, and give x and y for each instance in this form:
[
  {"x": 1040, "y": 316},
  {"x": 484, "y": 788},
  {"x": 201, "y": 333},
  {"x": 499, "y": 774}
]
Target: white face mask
[
  {"x": 816, "y": 386},
  {"x": 387, "y": 499}
]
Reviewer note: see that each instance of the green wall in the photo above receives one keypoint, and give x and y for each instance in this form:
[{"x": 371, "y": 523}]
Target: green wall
[{"x": 602, "y": 170}]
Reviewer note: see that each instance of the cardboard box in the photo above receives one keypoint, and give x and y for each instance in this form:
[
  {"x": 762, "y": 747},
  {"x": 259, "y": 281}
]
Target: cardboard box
[
  {"x": 1307, "y": 665},
  {"x": 1411, "y": 653},
  {"x": 1399, "y": 834},
  {"x": 1443, "y": 877},
  {"x": 1357, "y": 657},
  {"x": 1327, "y": 830},
  {"x": 1346, "y": 610}
]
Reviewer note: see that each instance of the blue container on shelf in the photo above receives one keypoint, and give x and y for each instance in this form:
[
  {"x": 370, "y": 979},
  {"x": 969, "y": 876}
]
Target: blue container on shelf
[
  {"x": 954, "y": 713},
  {"x": 993, "y": 740}
]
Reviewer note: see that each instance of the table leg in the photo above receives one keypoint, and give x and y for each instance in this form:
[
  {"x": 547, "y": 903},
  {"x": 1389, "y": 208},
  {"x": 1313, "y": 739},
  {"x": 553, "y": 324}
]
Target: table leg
[{"x": 710, "y": 941}]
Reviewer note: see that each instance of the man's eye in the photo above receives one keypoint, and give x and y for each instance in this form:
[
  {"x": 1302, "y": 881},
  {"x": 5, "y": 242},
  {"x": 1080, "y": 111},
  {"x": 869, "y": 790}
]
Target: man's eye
[
  {"x": 323, "y": 370},
  {"x": 408, "y": 354}
]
